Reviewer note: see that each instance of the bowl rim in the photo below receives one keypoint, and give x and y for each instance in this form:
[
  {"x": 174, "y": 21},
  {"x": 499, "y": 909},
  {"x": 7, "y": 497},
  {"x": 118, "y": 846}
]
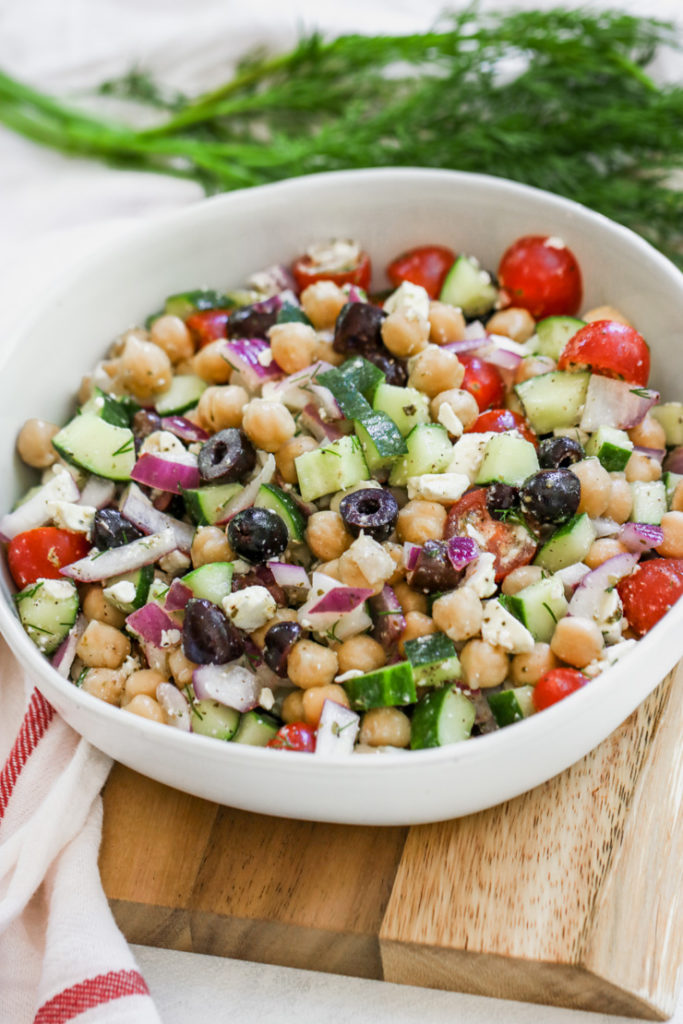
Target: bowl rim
[{"x": 574, "y": 708}]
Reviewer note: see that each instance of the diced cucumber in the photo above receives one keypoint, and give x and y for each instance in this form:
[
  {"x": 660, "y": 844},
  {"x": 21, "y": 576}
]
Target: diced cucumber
[
  {"x": 350, "y": 400},
  {"x": 649, "y": 502},
  {"x": 380, "y": 440},
  {"x": 209, "y": 718},
  {"x": 434, "y": 660},
  {"x": 185, "y": 391},
  {"x": 205, "y": 505},
  {"x": 332, "y": 467},
  {"x": 405, "y": 406},
  {"x": 118, "y": 411},
  {"x": 360, "y": 375},
  {"x": 277, "y": 500},
  {"x": 613, "y": 447},
  {"x": 469, "y": 287},
  {"x": 48, "y": 610},
  {"x": 256, "y": 729},
  {"x": 539, "y": 607},
  {"x": 290, "y": 313},
  {"x": 212, "y": 581},
  {"x": 440, "y": 718},
  {"x": 670, "y": 415},
  {"x": 570, "y": 544},
  {"x": 131, "y": 590},
  {"x": 510, "y": 706},
  {"x": 393, "y": 686},
  {"x": 100, "y": 447},
  {"x": 507, "y": 459},
  {"x": 429, "y": 451},
  {"x": 554, "y": 399},
  {"x": 197, "y": 301},
  {"x": 554, "y": 332},
  {"x": 671, "y": 482}
]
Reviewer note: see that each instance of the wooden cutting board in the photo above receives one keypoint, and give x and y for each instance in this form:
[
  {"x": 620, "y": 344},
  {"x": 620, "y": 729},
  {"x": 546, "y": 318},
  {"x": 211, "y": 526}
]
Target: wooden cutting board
[{"x": 570, "y": 895}]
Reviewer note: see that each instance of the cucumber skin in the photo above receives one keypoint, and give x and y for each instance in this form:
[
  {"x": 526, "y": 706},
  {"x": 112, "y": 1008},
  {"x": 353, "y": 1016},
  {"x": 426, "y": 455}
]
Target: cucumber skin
[
  {"x": 209, "y": 718},
  {"x": 427, "y": 728},
  {"x": 506, "y": 708},
  {"x": 393, "y": 686},
  {"x": 52, "y": 617},
  {"x": 552, "y": 560},
  {"x": 204, "y": 504},
  {"x": 276, "y": 500},
  {"x": 256, "y": 729}
]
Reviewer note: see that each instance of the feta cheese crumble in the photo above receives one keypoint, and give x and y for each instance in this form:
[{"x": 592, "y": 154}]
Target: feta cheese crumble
[
  {"x": 250, "y": 608},
  {"x": 500, "y": 628}
]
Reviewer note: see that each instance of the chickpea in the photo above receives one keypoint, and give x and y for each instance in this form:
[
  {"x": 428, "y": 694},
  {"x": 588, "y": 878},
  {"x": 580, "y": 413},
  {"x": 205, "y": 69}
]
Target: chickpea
[
  {"x": 602, "y": 549},
  {"x": 325, "y": 351},
  {"x": 281, "y": 615},
  {"x": 417, "y": 625},
  {"x": 458, "y": 614},
  {"x": 102, "y": 646},
  {"x": 181, "y": 668},
  {"x": 642, "y": 467},
  {"x": 463, "y": 404},
  {"x": 292, "y": 345},
  {"x": 330, "y": 569},
  {"x": 596, "y": 486},
  {"x": 385, "y": 727},
  {"x": 211, "y": 365},
  {"x": 533, "y": 366},
  {"x": 314, "y": 699},
  {"x": 146, "y": 707},
  {"x": 395, "y": 552},
  {"x": 293, "y": 707},
  {"x": 210, "y": 544},
  {"x": 520, "y": 578},
  {"x": 446, "y": 323},
  {"x": 620, "y": 501},
  {"x": 291, "y": 450},
  {"x": 268, "y": 424},
  {"x": 649, "y": 433},
  {"x": 171, "y": 334},
  {"x": 529, "y": 667},
  {"x": 435, "y": 370},
  {"x": 143, "y": 681},
  {"x": 672, "y": 528},
  {"x": 311, "y": 664},
  {"x": 327, "y": 536},
  {"x": 483, "y": 664},
  {"x": 104, "y": 683},
  {"x": 410, "y": 600},
  {"x": 677, "y": 500},
  {"x": 419, "y": 521},
  {"x": 512, "y": 322},
  {"x": 322, "y": 303},
  {"x": 404, "y": 337},
  {"x": 577, "y": 641},
  {"x": 34, "y": 443},
  {"x": 145, "y": 369},
  {"x": 96, "y": 606},
  {"x": 351, "y": 574},
  {"x": 221, "y": 407},
  {"x": 605, "y": 313},
  {"x": 360, "y": 652}
]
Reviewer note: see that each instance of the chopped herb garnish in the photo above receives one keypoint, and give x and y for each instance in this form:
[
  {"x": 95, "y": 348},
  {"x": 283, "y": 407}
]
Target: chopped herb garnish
[
  {"x": 550, "y": 612},
  {"x": 128, "y": 446},
  {"x": 641, "y": 392}
]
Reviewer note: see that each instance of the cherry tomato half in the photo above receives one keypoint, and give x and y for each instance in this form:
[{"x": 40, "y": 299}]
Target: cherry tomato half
[
  {"x": 540, "y": 274},
  {"x": 651, "y": 589},
  {"x": 609, "y": 348},
  {"x": 557, "y": 684},
  {"x": 500, "y": 420},
  {"x": 295, "y": 736},
  {"x": 306, "y": 272},
  {"x": 510, "y": 544},
  {"x": 208, "y": 325},
  {"x": 41, "y": 553},
  {"x": 483, "y": 381},
  {"x": 427, "y": 265}
]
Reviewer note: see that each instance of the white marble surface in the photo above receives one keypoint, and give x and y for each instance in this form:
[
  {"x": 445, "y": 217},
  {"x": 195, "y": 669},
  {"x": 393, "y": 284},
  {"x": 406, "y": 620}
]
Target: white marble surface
[{"x": 51, "y": 210}]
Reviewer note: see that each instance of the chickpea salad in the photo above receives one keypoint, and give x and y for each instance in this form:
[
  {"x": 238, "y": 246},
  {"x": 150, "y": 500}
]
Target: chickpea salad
[{"x": 310, "y": 516}]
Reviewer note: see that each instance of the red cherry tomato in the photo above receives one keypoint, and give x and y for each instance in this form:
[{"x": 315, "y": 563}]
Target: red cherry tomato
[
  {"x": 500, "y": 420},
  {"x": 649, "y": 592},
  {"x": 427, "y": 266},
  {"x": 296, "y": 736},
  {"x": 483, "y": 381},
  {"x": 41, "y": 553},
  {"x": 208, "y": 326},
  {"x": 609, "y": 348},
  {"x": 557, "y": 684},
  {"x": 510, "y": 544},
  {"x": 306, "y": 272},
  {"x": 541, "y": 276}
]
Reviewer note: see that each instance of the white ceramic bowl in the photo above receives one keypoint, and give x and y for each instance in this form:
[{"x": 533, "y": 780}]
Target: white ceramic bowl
[{"x": 217, "y": 243}]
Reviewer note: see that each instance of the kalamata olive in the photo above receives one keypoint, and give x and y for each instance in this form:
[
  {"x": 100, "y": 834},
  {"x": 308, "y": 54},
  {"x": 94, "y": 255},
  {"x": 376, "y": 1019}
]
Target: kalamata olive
[
  {"x": 226, "y": 457},
  {"x": 279, "y": 641},
  {"x": 111, "y": 530},
  {"x": 434, "y": 570},
  {"x": 393, "y": 369},
  {"x": 252, "y": 321},
  {"x": 359, "y": 328},
  {"x": 551, "y": 496},
  {"x": 500, "y": 498},
  {"x": 559, "y": 452},
  {"x": 370, "y": 509},
  {"x": 144, "y": 423},
  {"x": 209, "y": 638},
  {"x": 258, "y": 534}
]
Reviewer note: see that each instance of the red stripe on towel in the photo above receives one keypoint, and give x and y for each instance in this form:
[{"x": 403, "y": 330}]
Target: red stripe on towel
[
  {"x": 33, "y": 727},
  {"x": 91, "y": 993}
]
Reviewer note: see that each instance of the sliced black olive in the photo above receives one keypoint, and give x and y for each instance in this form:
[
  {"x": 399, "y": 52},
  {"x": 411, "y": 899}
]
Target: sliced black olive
[
  {"x": 370, "y": 509},
  {"x": 226, "y": 457},
  {"x": 111, "y": 530}
]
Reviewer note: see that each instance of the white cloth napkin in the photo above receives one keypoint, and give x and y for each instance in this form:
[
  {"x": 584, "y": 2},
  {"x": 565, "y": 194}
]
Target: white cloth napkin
[{"x": 62, "y": 957}]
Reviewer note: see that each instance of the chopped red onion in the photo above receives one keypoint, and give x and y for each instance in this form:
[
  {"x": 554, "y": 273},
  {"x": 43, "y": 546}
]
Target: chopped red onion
[
  {"x": 102, "y": 565},
  {"x": 98, "y": 492},
  {"x": 231, "y": 684},
  {"x": 605, "y": 527},
  {"x": 344, "y": 625},
  {"x": 652, "y": 453},
  {"x": 273, "y": 281},
  {"x": 321, "y": 429},
  {"x": 326, "y": 401},
  {"x": 139, "y": 510},
  {"x": 337, "y": 730},
  {"x": 461, "y": 551},
  {"x": 294, "y": 391},
  {"x": 247, "y": 496},
  {"x": 63, "y": 658},
  {"x": 387, "y": 613},
  {"x": 183, "y": 428},
  {"x": 151, "y": 624},
  {"x": 248, "y": 357},
  {"x": 591, "y": 590},
  {"x": 287, "y": 575},
  {"x": 571, "y": 576},
  {"x": 639, "y": 537},
  {"x": 165, "y": 474},
  {"x": 674, "y": 460},
  {"x": 341, "y": 600},
  {"x": 466, "y": 345},
  {"x": 615, "y": 403},
  {"x": 175, "y": 706},
  {"x": 498, "y": 356},
  {"x": 411, "y": 553},
  {"x": 177, "y": 597},
  {"x": 475, "y": 329},
  {"x": 35, "y": 510}
]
